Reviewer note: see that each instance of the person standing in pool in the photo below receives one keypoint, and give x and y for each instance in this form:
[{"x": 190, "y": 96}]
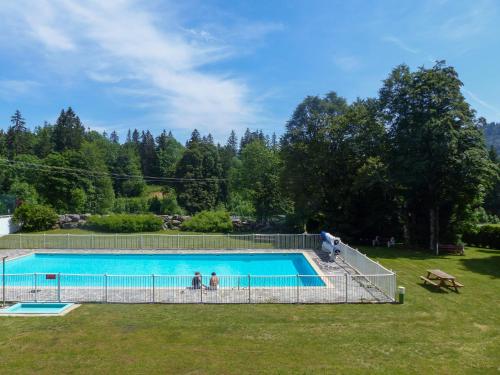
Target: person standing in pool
[{"x": 214, "y": 281}]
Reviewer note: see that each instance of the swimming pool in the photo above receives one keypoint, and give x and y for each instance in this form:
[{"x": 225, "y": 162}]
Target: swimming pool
[
  {"x": 277, "y": 269},
  {"x": 36, "y": 308}
]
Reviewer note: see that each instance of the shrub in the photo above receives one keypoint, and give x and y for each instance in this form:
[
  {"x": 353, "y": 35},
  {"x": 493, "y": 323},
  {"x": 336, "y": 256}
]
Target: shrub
[
  {"x": 134, "y": 205},
  {"x": 483, "y": 236},
  {"x": 209, "y": 221},
  {"x": 165, "y": 206},
  {"x": 122, "y": 223},
  {"x": 34, "y": 217}
]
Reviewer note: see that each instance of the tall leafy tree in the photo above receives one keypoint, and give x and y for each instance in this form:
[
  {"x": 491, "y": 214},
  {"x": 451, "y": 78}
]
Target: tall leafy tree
[
  {"x": 200, "y": 167},
  {"x": 306, "y": 154},
  {"x": 260, "y": 177},
  {"x": 128, "y": 179},
  {"x": 169, "y": 152},
  {"x": 437, "y": 157},
  {"x": 43, "y": 144}
]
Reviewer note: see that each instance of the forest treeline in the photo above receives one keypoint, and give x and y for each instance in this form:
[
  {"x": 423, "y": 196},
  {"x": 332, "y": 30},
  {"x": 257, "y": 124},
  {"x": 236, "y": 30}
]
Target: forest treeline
[{"x": 409, "y": 163}]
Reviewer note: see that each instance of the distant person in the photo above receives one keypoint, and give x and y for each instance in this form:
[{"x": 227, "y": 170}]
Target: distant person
[
  {"x": 214, "y": 281},
  {"x": 196, "y": 282}
]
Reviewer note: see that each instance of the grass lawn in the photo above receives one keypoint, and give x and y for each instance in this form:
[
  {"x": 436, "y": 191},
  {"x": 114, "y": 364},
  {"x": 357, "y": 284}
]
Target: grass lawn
[{"x": 433, "y": 332}]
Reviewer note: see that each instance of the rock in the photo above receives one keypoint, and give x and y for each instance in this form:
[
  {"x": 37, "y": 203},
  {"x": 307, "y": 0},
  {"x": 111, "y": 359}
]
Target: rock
[{"x": 176, "y": 223}]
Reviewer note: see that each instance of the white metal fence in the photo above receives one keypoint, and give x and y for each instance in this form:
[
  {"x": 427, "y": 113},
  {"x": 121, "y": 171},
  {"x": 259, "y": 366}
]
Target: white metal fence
[
  {"x": 370, "y": 279},
  {"x": 160, "y": 241},
  {"x": 363, "y": 265},
  {"x": 178, "y": 289}
]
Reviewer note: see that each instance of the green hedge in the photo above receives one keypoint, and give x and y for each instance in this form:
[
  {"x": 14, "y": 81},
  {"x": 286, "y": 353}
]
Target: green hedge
[
  {"x": 209, "y": 221},
  {"x": 131, "y": 205},
  {"x": 122, "y": 223},
  {"x": 484, "y": 236},
  {"x": 34, "y": 217}
]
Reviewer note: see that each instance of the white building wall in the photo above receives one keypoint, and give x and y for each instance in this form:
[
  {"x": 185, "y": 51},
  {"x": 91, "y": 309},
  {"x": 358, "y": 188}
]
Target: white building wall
[{"x": 7, "y": 226}]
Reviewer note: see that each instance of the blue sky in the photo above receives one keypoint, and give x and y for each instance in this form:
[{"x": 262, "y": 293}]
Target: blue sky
[{"x": 222, "y": 65}]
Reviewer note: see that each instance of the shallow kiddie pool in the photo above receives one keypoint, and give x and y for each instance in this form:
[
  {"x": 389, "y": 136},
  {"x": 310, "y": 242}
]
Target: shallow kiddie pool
[{"x": 27, "y": 309}]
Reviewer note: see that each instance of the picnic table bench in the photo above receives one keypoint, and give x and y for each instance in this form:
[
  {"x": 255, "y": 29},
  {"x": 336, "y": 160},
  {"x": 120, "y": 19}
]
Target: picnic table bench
[{"x": 441, "y": 279}]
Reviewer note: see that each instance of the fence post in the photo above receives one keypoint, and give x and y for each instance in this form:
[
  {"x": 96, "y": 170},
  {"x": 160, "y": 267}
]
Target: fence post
[
  {"x": 67, "y": 243},
  {"x": 36, "y": 292},
  {"x": 20, "y": 241},
  {"x": 92, "y": 240},
  {"x": 59, "y": 287},
  {"x": 142, "y": 241},
  {"x": 153, "y": 283},
  {"x": 249, "y": 295},
  {"x": 298, "y": 288},
  {"x": 346, "y": 290},
  {"x": 3, "y": 281},
  {"x": 44, "y": 241},
  {"x": 201, "y": 289},
  {"x": 279, "y": 241},
  {"x": 178, "y": 241},
  {"x": 105, "y": 288},
  {"x": 203, "y": 241},
  {"x": 116, "y": 240},
  {"x": 303, "y": 241}
]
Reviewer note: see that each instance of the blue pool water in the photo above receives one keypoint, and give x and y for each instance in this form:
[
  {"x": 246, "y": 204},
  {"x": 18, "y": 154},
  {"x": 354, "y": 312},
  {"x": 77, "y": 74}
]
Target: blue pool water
[
  {"x": 236, "y": 267},
  {"x": 36, "y": 308}
]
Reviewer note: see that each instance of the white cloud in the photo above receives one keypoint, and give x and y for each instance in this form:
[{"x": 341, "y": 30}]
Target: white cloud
[
  {"x": 125, "y": 45},
  {"x": 12, "y": 89},
  {"x": 468, "y": 24},
  {"x": 347, "y": 63},
  {"x": 478, "y": 100},
  {"x": 399, "y": 43}
]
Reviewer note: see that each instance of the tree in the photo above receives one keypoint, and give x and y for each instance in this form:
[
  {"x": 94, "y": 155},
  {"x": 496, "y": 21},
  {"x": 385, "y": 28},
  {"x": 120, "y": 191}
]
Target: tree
[
  {"x": 147, "y": 153},
  {"x": 201, "y": 170},
  {"x": 307, "y": 153},
  {"x": 232, "y": 144},
  {"x": 128, "y": 179},
  {"x": 260, "y": 172},
  {"x": 19, "y": 138},
  {"x": 437, "y": 155},
  {"x": 114, "y": 137},
  {"x": 68, "y": 131},
  {"x": 43, "y": 144},
  {"x": 169, "y": 152}
]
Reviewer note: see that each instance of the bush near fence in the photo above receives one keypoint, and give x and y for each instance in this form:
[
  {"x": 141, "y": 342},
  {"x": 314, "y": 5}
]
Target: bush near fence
[
  {"x": 122, "y": 223},
  {"x": 483, "y": 236},
  {"x": 209, "y": 222},
  {"x": 35, "y": 217}
]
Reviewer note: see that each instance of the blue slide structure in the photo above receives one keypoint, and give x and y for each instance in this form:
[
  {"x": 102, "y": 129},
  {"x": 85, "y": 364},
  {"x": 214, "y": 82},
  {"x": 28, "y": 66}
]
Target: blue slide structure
[{"x": 330, "y": 244}]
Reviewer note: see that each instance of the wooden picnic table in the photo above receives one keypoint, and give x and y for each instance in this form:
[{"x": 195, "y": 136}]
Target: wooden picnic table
[{"x": 443, "y": 279}]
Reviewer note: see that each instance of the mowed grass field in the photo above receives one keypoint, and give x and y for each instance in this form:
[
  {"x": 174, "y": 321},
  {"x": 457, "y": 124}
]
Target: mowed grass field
[{"x": 433, "y": 332}]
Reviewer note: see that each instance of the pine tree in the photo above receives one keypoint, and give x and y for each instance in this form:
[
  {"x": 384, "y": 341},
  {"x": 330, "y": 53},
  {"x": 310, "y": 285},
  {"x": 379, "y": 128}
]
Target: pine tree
[
  {"x": 232, "y": 143},
  {"x": 114, "y": 137},
  {"x": 147, "y": 152},
  {"x": 18, "y": 138},
  {"x": 68, "y": 131}
]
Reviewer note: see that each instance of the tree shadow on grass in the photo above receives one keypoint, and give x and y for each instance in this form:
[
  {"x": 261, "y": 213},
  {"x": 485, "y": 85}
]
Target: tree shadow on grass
[
  {"x": 486, "y": 266},
  {"x": 434, "y": 289},
  {"x": 401, "y": 253}
]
